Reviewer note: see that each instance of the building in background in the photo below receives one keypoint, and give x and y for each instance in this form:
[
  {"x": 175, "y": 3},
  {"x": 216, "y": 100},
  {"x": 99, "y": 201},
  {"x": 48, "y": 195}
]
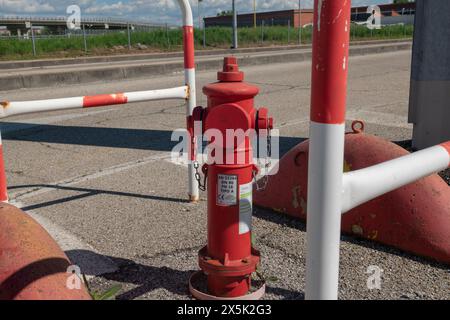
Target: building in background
[
  {"x": 391, "y": 14},
  {"x": 275, "y": 18},
  {"x": 56, "y": 25},
  {"x": 4, "y": 32}
]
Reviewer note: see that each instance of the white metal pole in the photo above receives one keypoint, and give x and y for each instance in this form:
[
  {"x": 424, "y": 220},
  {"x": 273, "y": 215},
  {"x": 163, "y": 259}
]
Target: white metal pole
[
  {"x": 199, "y": 14},
  {"x": 300, "y": 22},
  {"x": 254, "y": 14},
  {"x": 262, "y": 31},
  {"x": 235, "y": 31},
  {"x": 129, "y": 35},
  {"x": 289, "y": 31},
  {"x": 326, "y": 154},
  {"x": 84, "y": 39},
  {"x": 204, "y": 33},
  {"x": 33, "y": 40},
  {"x": 167, "y": 35}
]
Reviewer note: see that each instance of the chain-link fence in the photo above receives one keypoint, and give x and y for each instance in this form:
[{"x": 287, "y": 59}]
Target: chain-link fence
[{"x": 38, "y": 41}]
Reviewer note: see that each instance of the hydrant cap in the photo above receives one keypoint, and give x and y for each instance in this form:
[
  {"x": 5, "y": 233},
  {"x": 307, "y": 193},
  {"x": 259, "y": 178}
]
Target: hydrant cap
[{"x": 230, "y": 71}]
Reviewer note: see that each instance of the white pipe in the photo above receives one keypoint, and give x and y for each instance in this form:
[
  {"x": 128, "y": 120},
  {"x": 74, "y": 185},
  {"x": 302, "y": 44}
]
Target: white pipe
[
  {"x": 366, "y": 184},
  {"x": 187, "y": 12},
  {"x": 21, "y": 107},
  {"x": 326, "y": 156},
  {"x": 164, "y": 94},
  {"x": 235, "y": 26}
]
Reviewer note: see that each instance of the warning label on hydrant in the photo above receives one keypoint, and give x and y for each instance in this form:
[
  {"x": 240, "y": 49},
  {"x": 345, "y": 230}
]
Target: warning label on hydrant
[
  {"x": 245, "y": 207},
  {"x": 226, "y": 190}
]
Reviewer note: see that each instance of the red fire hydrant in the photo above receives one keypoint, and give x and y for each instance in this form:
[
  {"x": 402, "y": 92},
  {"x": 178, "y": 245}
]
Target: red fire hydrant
[{"x": 229, "y": 260}]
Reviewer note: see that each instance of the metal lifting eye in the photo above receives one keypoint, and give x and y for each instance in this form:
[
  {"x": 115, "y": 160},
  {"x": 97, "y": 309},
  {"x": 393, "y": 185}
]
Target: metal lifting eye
[{"x": 358, "y": 126}]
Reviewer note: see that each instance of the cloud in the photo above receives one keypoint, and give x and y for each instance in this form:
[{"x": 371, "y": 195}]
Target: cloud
[
  {"x": 115, "y": 9},
  {"x": 161, "y": 11},
  {"x": 26, "y": 6}
]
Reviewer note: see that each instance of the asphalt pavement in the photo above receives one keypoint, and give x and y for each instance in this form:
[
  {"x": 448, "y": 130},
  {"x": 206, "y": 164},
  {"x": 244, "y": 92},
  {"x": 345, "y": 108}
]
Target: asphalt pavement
[{"x": 102, "y": 182}]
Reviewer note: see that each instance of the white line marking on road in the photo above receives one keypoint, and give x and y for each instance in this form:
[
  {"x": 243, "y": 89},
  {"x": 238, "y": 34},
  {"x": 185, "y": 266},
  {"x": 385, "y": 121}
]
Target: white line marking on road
[
  {"x": 81, "y": 254},
  {"x": 32, "y": 192},
  {"x": 292, "y": 122}
]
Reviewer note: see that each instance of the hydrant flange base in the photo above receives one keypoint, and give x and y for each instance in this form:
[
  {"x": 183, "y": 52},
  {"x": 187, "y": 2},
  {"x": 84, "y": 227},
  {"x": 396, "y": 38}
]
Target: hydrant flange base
[{"x": 197, "y": 294}]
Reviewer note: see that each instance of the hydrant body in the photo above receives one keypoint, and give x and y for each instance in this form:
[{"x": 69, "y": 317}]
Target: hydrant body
[{"x": 228, "y": 260}]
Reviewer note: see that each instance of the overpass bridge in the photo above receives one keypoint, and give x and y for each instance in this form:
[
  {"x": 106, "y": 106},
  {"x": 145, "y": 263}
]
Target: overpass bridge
[{"x": 17, "y": 25}]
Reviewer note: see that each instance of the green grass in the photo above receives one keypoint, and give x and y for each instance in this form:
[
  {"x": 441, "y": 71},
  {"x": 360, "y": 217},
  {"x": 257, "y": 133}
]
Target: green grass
[
  {"x": 391, "y": 32},
  {"x": 171, "y": 40}
]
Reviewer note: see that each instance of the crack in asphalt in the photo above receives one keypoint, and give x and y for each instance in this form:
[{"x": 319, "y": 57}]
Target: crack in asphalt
[
  {"x": 379, "y": 74},
  {"x": 168, "y": 253},
  {"x": 53, "y": 147}
]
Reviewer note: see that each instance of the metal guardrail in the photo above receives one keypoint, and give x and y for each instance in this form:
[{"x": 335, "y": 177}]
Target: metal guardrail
[
  {"x": 27, "y": 37},
  {"x": 83, "y": 20}
]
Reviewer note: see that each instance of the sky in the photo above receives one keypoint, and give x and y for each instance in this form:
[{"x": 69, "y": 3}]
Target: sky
[{"x": 158, "y": 11}]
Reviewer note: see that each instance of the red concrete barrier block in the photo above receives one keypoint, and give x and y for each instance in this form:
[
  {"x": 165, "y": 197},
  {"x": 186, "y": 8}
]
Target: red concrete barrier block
[
  {"x": 414, "y": 218},
  {"x": 32, "y": 265}
]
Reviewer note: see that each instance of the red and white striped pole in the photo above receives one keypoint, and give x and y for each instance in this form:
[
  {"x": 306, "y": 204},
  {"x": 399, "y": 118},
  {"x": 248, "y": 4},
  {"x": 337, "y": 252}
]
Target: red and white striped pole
[
  {"x": 22, "y": 107},
  {"x": 327, "y": 129},
  {"x": 3, "y": 184},
  {"x": 189, "y": 71}
]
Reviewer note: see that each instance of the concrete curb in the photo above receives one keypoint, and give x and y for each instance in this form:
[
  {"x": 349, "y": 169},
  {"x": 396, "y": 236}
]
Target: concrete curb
[{"x": 86, "y": 75}]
